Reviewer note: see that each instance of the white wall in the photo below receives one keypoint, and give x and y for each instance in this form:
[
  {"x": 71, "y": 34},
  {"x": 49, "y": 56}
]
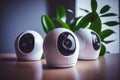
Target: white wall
[
  {"x": 19, "y": 16},
  {"x": 112, "y": 47}
]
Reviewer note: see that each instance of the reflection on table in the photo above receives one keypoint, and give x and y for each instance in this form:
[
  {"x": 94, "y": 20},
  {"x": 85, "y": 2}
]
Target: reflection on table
[{"x": 104, "y": 68}]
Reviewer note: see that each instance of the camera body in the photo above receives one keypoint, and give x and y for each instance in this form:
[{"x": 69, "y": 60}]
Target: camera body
[
  {"x": 90, "y": 44},
  {"x": 29, "y": 46},
  {"x": 61, "y": 48}
]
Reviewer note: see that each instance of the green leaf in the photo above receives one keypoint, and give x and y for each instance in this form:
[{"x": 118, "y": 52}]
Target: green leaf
[
  {"x": 107, "y": 42},
  {"x": 84, "y": 10},
  {"x": 94, "y": 16},
  {"x": 74, "y": 21},
  {"x": 64, "y": 25},
  {"x": 103, "y": 50},
  {"x": 111, "y": 23},
  {"x": 43, "y": 56},
  {"x": 47, "y": 23},
  {"x": 105, "y": 9},
  {"x": 96, "y": 25},
  {"x": 106, "y": 33},
  {"x": 61, "y": 13},
  {"x": 83, "y": 22},
  {"x": 108, "y": 15},
  {"x": 93, "y": 5}
]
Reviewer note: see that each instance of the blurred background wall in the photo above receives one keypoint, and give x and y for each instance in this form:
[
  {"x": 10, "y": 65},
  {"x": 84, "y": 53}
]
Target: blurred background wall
[{"x": 17, "y": 16}]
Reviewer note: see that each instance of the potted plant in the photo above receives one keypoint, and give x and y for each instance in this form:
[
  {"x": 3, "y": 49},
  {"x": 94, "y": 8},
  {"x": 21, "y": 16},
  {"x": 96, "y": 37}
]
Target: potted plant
[{"x": 92, "y": 18}]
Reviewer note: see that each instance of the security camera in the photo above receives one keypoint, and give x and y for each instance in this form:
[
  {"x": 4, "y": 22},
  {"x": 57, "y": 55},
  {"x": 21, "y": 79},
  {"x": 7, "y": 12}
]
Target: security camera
[
  {"x": 29, "y": 46},
  {"x": 61, "y": 48},
  {"x": 90, "y": 44}
]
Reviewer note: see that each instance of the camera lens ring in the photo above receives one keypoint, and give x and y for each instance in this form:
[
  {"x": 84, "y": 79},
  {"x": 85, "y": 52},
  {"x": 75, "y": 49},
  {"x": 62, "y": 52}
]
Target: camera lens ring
[
  {"x": 95, "y": 41},
  {"x": 66, "y": 43},
  {"x": 26, "y": 43}
]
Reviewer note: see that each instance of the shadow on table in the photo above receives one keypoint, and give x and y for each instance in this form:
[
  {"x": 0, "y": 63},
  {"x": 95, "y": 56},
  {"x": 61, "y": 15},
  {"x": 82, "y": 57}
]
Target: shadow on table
[{"x": 6, "y": 59}]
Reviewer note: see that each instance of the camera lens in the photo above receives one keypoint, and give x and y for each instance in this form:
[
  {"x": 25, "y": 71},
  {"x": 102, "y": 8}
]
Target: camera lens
[
  {"x": 95, "y": 41},
  {"x": 26, "y": 43},
  {"x": 66, "y": 44}
]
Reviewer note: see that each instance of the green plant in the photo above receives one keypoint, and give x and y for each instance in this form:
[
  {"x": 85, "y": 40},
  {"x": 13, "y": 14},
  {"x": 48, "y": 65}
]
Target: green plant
[
  {"x": 48, "y": 23},
  {"x": 93, "y": 19}
]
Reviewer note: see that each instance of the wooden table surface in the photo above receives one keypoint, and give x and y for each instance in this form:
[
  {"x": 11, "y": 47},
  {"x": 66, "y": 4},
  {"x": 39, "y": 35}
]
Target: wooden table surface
[{"x": 104, "y": 68}]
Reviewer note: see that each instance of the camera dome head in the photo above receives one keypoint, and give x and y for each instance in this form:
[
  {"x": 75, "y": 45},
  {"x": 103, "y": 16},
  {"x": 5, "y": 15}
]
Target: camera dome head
[
  {"x": 90, "y": 44},
  {"x": 61, "y": 48},
  {"x": 28, "y": 46}
]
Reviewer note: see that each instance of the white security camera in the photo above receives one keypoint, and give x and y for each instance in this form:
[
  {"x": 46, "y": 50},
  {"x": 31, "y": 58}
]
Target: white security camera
[
  {"x": 29, "y": 46},
  {"x": 90, "y": 44},
  {"x": 61, "y": 48}
]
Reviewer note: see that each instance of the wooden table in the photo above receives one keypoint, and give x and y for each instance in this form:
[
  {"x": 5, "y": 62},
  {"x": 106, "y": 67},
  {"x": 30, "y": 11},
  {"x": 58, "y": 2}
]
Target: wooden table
[{"x": 104, "y": 68}]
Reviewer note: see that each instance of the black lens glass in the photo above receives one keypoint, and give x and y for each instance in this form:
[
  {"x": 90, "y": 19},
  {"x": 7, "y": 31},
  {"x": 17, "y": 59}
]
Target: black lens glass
[
  {"x": 66, "y": 44},
  {"x": 26, "y": 43},
  {"x": 95, "y": 41}
]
